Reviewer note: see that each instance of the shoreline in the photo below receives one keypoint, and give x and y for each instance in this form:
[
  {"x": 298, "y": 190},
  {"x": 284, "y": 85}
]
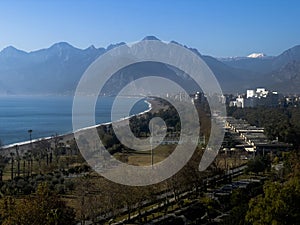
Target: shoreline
[{"x": 25, "y": 145}]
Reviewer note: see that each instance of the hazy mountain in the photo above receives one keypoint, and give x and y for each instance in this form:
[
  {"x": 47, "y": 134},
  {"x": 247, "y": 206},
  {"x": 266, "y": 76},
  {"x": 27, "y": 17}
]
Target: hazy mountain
[
  {"x": 57, "y": 70},
  {"x": 53, "y": 70},
  {"x": 290, "y": 55},
  {"x": 287, "y": 78}
]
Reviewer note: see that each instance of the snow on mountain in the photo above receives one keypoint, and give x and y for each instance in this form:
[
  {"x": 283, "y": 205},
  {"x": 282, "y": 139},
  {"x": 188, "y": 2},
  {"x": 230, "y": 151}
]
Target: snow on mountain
[{"x": 256, "y": 55}]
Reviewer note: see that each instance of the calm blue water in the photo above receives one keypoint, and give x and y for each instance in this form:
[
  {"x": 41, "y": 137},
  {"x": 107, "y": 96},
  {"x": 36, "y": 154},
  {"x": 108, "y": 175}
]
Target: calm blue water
[{"x": 47, "y": 115}]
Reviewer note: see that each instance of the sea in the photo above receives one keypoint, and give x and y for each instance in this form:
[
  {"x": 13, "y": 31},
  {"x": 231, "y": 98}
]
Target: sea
[{"x": 50, "y": 115}]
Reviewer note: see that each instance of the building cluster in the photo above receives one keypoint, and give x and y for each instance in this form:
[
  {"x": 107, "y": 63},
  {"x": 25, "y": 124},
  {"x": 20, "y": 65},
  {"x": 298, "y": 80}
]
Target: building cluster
[
  {"x": 251, "y": 99},
  {"x": 252, "y": 138},
  {"x": 180, "y": 96},
  {"x": 199, "y": 97},
  {"x": 254, "y": 98}
]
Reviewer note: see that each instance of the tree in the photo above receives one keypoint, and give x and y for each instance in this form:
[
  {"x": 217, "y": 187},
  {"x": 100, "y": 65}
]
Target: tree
[
  {"x": 280, "y": 204},
  {"x": 28, "y": 156},
  {"x": 56, "y": 139},
  {"x": 24, "y": 165},
  {"x": 42, "y": 148},
  {"x": 18, "y": 158},
  {"x": 44, "y": 207},
  {"x": 12, "y": 165},
  {"x": 30, "y": 138},
  {"x": 258, "y": 164}
]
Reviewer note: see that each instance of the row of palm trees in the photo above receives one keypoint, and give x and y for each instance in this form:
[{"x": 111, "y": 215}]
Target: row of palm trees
[
  {"x": 21, "y": 165},
  {"x": 27, "y": 157},
  {"x": 26, "y": 161}
]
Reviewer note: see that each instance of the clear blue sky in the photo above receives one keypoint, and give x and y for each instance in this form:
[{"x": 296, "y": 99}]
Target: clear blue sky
[{"x": 214, "y": 27}]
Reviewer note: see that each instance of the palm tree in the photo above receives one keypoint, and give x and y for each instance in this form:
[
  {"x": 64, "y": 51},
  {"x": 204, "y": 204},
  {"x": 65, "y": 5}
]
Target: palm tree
[
  {"x": 51, "y": 155},
  {"x": 57, "y": 146},
  {"x": 2, "y": 166},
  {"x": 29, "y": 163},
  {"x": 12, "y": 165},
  {"x": 24, "y": 164},
  {"x": 44, "y": 146},
  {"x": 18, "y": 160},
  {"x": 30, "y": 138}
]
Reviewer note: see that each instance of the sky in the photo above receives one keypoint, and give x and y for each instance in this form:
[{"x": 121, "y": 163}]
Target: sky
[{"x": 218, "y": 28}]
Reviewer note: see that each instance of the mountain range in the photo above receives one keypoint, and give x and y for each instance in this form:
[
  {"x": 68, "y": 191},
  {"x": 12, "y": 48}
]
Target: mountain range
[{"x": 57, "y": 70}]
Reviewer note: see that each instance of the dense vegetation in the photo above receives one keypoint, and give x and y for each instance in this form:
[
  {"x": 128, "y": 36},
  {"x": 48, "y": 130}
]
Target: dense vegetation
[{"x": 44, "y": 207}]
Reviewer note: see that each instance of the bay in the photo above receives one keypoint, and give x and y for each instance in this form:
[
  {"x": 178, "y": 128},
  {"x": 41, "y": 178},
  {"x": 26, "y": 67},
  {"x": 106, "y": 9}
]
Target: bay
[{"x": 49, "y": 115}]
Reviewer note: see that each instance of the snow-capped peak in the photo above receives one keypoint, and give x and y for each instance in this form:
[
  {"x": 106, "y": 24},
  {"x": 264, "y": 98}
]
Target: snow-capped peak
[{"x": 256, "y": 55}]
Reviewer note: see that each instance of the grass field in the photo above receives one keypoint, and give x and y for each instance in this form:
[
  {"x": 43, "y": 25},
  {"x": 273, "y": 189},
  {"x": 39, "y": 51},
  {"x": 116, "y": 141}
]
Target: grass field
[{"x": 143, "y": 158}]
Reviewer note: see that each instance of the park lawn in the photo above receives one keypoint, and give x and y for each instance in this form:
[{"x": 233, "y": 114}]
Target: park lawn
[{"x": 144, "y": 158}]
